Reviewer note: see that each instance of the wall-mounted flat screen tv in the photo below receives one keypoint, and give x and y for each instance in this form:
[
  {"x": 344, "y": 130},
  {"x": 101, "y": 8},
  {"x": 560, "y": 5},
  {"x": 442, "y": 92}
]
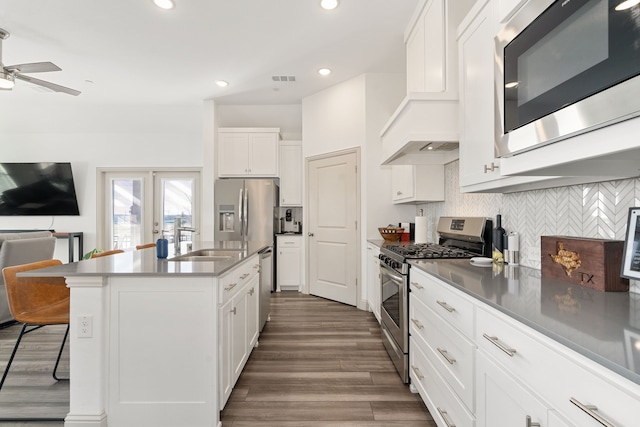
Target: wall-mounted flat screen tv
[{"x": 37, "y": 189}]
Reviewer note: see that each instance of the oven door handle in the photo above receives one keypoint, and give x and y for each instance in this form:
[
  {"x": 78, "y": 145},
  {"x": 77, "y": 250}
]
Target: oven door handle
[{"x": 391, "y": 273}]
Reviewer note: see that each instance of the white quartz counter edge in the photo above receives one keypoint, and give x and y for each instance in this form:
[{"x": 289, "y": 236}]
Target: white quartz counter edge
[{"x": 144, "y": 263}]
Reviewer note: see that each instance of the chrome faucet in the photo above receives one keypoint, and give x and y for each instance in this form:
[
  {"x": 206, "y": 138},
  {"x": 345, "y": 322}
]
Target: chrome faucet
[{"x": 178, "y": 228}]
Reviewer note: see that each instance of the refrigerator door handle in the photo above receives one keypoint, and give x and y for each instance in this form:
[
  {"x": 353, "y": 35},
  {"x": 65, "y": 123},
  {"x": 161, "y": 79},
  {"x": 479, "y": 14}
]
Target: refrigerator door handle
[
  {"x": 241, "y": 210},
  {"x": 246, "y": 214}
]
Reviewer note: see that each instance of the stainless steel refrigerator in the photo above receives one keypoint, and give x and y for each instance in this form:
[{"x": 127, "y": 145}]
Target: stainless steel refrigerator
[{"x": 245, "y": 211}]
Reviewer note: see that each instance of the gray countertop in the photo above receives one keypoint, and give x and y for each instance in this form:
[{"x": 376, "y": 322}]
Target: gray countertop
[
  {"x": 603, "y": 326},
  {"x": 145, "y": 263}
]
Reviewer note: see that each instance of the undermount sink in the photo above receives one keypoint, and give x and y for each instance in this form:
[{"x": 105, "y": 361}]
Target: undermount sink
[{"x": 209, "y": 255}]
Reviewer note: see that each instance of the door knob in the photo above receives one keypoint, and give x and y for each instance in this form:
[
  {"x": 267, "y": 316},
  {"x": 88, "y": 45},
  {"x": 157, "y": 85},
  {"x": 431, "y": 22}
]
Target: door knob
[{"x": 310, "y": 234}]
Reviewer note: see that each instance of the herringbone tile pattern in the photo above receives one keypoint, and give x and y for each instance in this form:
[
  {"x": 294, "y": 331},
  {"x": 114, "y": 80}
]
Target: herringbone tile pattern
[{"x": 597, "y": 210}]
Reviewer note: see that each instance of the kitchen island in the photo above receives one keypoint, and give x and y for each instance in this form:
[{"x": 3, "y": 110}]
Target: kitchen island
[{"x": 158, "y": 342}]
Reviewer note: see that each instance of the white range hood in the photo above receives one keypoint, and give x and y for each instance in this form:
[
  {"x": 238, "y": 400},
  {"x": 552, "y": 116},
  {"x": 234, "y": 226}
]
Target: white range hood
[{"x": 423, "y": 130}]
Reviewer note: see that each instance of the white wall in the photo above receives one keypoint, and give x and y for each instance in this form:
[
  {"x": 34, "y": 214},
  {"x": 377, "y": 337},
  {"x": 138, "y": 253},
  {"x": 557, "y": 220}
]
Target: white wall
[
  {"x": 351, "y": 114},
  {"x": 92, "y": 137},
  {"x": 286, "y": 117}
]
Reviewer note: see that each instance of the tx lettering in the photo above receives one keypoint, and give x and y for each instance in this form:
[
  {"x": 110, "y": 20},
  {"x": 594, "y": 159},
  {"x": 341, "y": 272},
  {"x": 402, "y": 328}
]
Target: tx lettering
[{"x": 586, "y": 278}]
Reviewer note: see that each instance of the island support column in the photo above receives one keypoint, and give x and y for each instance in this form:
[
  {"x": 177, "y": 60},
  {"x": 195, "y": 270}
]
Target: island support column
[{"x": 87, "y": 346}]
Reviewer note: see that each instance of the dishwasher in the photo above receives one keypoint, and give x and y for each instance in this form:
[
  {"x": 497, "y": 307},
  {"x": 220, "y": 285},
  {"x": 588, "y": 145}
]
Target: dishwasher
[{"x": 266, "y": 284}]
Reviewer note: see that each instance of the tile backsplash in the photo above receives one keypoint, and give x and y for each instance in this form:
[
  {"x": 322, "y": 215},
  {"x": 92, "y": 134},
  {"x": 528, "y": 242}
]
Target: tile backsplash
[{"x": 597, "y": 210}]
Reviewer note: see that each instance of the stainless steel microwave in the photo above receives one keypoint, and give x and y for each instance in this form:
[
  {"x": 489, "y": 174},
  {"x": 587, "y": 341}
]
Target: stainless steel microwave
[{"x": 565, "y": 67}]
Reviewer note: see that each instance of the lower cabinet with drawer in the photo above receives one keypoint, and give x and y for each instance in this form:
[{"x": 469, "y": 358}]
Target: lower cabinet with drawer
[
  {"x": 237, "y": 322},
  {"x": 475, "y": 365},
  {"x": 441, "y": 349}
]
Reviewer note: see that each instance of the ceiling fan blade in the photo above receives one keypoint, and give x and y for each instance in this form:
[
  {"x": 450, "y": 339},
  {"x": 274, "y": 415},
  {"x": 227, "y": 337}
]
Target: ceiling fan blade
[
  {"x": 34, "y": 67},
  {"x": 52, "y": 86}
]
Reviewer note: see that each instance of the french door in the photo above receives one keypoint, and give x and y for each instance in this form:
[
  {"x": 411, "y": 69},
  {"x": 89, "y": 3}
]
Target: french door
[{"x": 139, "y": 206}]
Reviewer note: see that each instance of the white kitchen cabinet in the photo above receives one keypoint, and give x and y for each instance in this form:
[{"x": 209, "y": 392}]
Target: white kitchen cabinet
[
  {"x": 238, "y": 323},
  {"x": 373, "y": 279},
  {"x": 503, "y": 401},
  {"x": 475, "y": 49},
  {"x": 291, "y": 173},
  {"x": 253, "y": 310},
  {"x": 417, "y": 183},
  {"x": 289, "y": 262},
  {"x": 426, "y": 50},
  {"x": 248, "y": 152},
  {"x": 441, "y": 323}
]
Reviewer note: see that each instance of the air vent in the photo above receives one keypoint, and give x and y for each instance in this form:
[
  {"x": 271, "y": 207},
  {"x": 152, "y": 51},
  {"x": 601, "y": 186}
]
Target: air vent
[{"x": 283, "y": 78}]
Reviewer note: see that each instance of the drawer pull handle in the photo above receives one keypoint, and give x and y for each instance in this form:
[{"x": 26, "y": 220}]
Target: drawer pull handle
[
  {"x": 250, "y": 292},
  {"x": 417, "y": 285},
  {"x": 446, "y": 306},
  {"x": 244, "y": 276},
  {"x": 445, "y": 417},
  {"x": 417, "y": 372},
  {"x": 445, "y": 354},
  {"x": 231, "y": 286},
  {"x": 591, "y": 411},
  {"x": 530, "y": 424},
  {"x": 497, "y": 343},
  {"x": 417, "y": 323}
]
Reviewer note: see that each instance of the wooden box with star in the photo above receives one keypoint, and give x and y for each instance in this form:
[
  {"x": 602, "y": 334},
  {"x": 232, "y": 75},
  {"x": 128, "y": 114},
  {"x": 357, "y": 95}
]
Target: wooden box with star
[{"x": 594, "y": 263}]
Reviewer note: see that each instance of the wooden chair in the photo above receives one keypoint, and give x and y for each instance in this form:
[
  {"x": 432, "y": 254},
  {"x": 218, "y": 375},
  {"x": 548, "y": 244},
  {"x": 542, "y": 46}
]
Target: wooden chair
[
  {"x": 107, "y": 253},
  {"x": 36, "y": 302},
  {"x": 145, "y": 246}
]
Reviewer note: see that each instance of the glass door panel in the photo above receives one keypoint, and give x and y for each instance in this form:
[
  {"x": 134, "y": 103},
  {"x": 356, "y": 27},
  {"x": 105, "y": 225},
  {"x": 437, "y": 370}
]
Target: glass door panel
[
  {"x": 126, "y": 207},
  {"x": 176, "y": 205}
]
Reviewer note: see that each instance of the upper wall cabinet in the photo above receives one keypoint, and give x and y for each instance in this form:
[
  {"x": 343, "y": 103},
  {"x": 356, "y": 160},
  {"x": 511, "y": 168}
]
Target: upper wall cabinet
[
  {"x": 248, "y": 152},
  {"x": 417, "y": 183},
  {"x": 580, "y": 159},
  {"x": 424, "y": 127},
  {"x": 291, "y": 173}
]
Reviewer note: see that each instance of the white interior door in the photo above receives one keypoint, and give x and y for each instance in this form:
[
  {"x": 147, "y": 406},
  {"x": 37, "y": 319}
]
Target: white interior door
[{"x": 333, "y": 195}]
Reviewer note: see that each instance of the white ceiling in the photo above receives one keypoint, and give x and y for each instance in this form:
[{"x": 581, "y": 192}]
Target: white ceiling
[{"x": 136, "y": 53}]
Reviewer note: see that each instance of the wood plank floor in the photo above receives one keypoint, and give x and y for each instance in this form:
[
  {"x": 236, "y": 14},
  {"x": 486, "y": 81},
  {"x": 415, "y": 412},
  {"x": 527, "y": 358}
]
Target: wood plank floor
[
  {"x": 30, "y": 390},
  {"x": 321, "y": 363}
]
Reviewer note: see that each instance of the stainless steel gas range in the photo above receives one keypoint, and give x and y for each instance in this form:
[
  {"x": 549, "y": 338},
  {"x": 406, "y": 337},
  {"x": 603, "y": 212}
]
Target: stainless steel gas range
[{"x": 459, "y": 237}]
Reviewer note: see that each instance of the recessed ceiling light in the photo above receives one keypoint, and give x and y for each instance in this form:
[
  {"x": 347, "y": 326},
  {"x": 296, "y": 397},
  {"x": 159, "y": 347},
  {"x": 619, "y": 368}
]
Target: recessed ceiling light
[
  {"x": 222, "y": 83},
  {"x": 164, "y": 4},
  {"x": 324, "y": 71},
  {"x": 627, "y": 4},
  {"x": 328, "y": 4},
  {"x": 511, "y": 85}
]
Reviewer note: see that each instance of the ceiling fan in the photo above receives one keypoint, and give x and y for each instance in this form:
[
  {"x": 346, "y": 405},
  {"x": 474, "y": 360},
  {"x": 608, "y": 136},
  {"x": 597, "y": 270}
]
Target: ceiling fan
[{"x": 9, "y": 73}]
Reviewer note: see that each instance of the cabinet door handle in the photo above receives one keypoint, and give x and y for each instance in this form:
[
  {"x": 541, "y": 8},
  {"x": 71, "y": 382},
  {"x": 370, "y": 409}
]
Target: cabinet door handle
[
  {"x": 250, "y": 292},
  {"x": 233, "y": 310},
  {"x": 446, "y": 306},
  {"x": 417, "y": 323},
  {"x": 417, "y": 285},
  {"x": 495, "y": 341},
  {"x": 398, "y": 193},
  {"x": 448, "y": 358},
  {"x": 244, "y": 276},
  {"x": 492, "y": 168},
  {"x": 591, "y": 411},
  {"x": 417, "y": 372},
  {"x": 445, "y": 417},
  {"x": 231, "y": 286},
  {"x": 531, "y": 424}
]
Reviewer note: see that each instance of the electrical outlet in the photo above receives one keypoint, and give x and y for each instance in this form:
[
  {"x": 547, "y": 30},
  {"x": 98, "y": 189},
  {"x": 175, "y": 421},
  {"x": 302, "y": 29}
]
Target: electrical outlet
[{"x": 85, "y": 326}]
